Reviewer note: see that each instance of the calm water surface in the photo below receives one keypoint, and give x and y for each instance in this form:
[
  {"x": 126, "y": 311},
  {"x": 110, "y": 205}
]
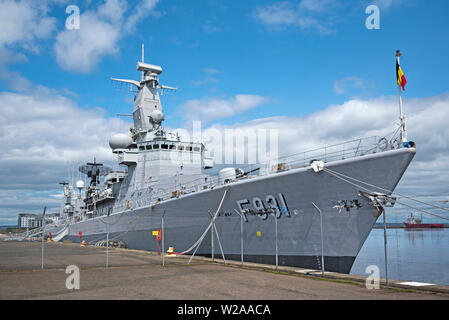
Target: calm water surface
[{"x": 414, "y": 255}]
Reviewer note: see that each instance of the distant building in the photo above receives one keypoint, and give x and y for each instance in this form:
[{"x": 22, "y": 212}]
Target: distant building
[
  {"x": 52, "y": 217},
  {"x": 31, "y": 220},
  {"x": 28, "y": 220}
]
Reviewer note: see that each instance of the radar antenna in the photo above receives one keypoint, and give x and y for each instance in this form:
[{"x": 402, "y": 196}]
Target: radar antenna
[
  {"x": 94, "y": 171},
  {"x": 150, "y": 73},
  {"x": 148, "y": 113}
]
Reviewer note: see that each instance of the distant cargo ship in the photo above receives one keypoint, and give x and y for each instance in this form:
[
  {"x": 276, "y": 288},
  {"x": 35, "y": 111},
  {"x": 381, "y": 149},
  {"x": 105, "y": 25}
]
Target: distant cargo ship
[{"x": 413, "y": 222}]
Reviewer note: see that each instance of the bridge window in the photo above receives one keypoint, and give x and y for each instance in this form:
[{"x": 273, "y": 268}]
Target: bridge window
[
  {"x": 180, "y": 148},
  {"x": 155, "y": 146},
  {"x": 188, "y": 148},
  {"x": 172, "y": 146},
  {"x": 149, "y": 147},
  {"x": 164, "y": 146},
  {"x": 196, "y": 149},
  {"x": 142, "y": 148}
]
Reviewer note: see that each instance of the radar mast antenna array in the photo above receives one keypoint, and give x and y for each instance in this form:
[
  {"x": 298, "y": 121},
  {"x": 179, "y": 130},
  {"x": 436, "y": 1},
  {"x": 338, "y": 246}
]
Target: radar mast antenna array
[
  {"x": 143, "y": 58},
  {"x": 94, "y": 171},
  {"x": 149, "y": 74}
]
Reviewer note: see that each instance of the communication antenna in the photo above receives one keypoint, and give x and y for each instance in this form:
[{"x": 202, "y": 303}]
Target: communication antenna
[
  {"x": 63, "y": 187},
  {"x": 94, "y": 171},
  {"x": 143, "y": 59},
  {"x": 149, "y": 77}
]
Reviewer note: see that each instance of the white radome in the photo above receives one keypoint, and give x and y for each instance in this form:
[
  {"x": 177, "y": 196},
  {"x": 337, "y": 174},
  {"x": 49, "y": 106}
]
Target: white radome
[
  {"x": 120, "y": 141},
  {"x": 157, "y": 116},
  {"x": 80, "y": 184}
]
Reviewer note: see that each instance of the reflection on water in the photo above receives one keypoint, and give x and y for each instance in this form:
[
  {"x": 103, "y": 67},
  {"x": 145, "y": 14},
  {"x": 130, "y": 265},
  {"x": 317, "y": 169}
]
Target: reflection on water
[{"x": 413, "y": 254}]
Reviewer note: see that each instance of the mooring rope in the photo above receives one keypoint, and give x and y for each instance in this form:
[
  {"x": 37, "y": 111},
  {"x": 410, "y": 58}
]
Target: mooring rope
[
  {"x": 422, "y": 210},
  {"x": 210, "y": 224},
  {"x": 340, "y": 176},
  {"x": 383, "y": 189}
]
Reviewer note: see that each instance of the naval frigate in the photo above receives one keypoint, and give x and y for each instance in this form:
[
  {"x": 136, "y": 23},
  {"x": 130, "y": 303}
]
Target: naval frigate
[{"x": 311, "y": 210}]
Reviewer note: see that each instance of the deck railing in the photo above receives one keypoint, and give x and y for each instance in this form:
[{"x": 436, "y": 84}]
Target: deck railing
[
  {"x": 334, "y": 152},
  {"x": 350, "y": 149}
]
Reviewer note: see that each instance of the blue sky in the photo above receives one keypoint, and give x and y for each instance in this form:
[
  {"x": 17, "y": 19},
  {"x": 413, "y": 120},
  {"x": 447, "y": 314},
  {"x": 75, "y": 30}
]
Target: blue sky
[
  {"x": 291, "y": 61},
  {"x": 297, "y": 68}
]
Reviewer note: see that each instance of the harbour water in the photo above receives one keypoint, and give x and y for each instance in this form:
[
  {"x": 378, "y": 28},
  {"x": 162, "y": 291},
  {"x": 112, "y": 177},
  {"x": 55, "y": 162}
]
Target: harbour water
[{"x": 413, "y": 255}]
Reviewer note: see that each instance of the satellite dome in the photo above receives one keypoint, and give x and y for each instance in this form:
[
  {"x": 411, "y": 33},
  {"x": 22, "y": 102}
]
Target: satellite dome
[
  {"x": 120, "y": 141},
  {"x": 80, "y": 184},
  {"x": 157, "y": 116}
]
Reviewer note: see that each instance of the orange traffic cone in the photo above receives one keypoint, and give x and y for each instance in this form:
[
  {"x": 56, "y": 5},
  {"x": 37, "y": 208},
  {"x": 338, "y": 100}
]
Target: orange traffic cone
[{"x": 170, "y": 252}]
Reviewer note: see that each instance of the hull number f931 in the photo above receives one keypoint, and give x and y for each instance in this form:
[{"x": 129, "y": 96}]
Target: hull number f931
[{"x": 271, "y": 205}]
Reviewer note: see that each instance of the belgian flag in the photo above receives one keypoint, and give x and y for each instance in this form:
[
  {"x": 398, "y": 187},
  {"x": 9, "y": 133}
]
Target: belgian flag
[{"x": 399, "y": 74}]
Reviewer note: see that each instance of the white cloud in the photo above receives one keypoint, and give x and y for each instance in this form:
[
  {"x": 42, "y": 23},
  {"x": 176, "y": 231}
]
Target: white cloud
[
  {"x": 341, "y": 85},
  {"x": 211, "y": 71},
  {"x": 387, "y": 4},
  {"x": 41, "y": 134},
  {"x": 142, "y": 10},
  {"x": 112, "y": 10},
  {"x": 305, "y": 14},
  {"x": 215, "y": 108},
  {"x": 353, "y": 86},
  {"x": 356, "y": 118},
  {"x": 45, "y": 126},
  {"x": 22, "y": 23},
  {"x": 209, "y": 77},
  {"x": 80, "y": 50},
  {"x": 15, "y": 81},
  {"x": 210, "y": 27}
]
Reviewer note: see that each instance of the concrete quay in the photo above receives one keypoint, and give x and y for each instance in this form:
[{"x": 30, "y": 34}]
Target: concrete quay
[{"x": 134, "y": 274}]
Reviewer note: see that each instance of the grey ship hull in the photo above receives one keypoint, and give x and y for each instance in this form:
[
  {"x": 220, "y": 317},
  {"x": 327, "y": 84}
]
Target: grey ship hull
[{"x": 299, "y": 240}]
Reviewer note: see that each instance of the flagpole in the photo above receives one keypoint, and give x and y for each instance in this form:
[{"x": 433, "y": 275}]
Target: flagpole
[
  {"x": 402, "y": 118},
  {"x": 401, "y": 114}
]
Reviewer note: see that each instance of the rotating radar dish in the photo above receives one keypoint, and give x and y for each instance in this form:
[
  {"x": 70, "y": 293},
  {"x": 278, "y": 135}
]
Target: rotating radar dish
[
  {"x": 94, "y": 169},
  {"x": 98, "y": 170}
]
